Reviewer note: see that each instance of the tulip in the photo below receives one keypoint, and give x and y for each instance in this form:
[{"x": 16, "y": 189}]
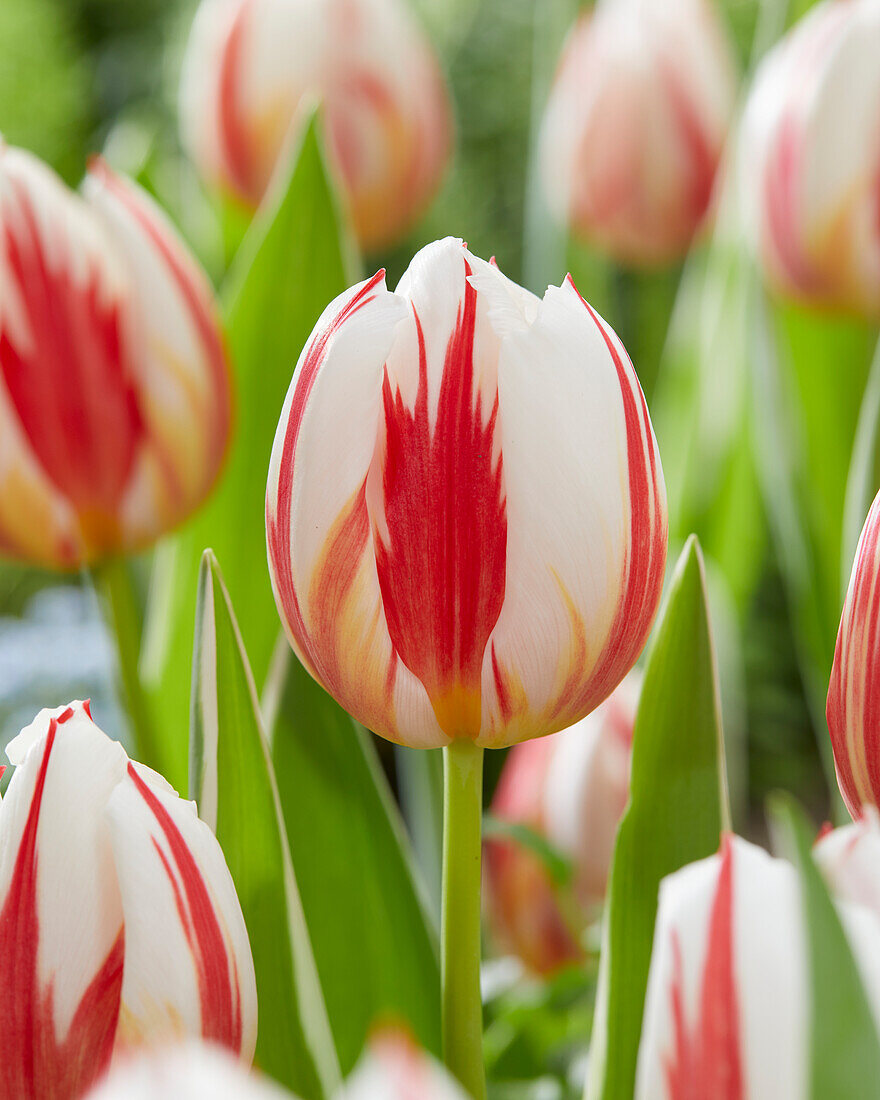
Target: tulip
[
  {"x": 119, "y": 922},
  {"x": 635, "y": 125},
  {"x": 251, "y": 63},
  {"x": 570, "y": 788},
  {"x": 114, "y": 386},
  {"x": 849, "y": 858},
  {"x": 394, "y": 1068},
  {"x": 466, "y": 513},
  {"x": 730, "y": 931},
  {"x": 811, "y": 159},
  {"x": 852, "y": 707}
]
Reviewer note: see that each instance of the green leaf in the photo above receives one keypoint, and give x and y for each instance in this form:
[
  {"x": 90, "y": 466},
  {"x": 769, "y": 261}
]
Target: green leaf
[
  {"x": 844, "y": 1047},
  {"x": 233, "y": 783},
  {"x": 678, "y": 805},
  {"x": 864, "y": 472},
  {"x": 293, "y": 262},
  {"x": 557, "y": 865},
  {"x": 374, "y": 945}
]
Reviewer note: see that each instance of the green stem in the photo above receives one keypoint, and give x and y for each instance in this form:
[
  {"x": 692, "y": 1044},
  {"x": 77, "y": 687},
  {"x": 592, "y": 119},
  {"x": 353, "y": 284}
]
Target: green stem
[
  {"x": 460, "y": 932},
  {"x": 115, "y": 581}
]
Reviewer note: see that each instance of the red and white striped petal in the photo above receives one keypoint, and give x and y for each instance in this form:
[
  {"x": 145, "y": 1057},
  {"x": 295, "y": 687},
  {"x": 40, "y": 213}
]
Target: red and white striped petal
[
  {"x": 394, "y": 1068},
  {"x": 587, "y": 524},
  {"x": 194, "y": 1070},
  {"x": 178, "y": 358},
  {"x": 61, "y": 925},
  {"x": 849, "y": 857},
  {"x": 853, "y": 706},
  {"x": 188, "y": 965}
]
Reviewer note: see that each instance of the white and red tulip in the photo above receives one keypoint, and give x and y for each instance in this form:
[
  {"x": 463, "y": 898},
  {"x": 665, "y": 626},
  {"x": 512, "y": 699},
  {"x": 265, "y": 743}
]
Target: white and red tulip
[
  {"x": 394, "y": 1068},
  {"x": 810, "y": 155},
  {"x": 727, "y": 1013},
  {"x": 853, "y": 706},
  {"x": 466, "y": 513},
  {"x": 119, "y": 922},
  {"x": 250, "y": 64},
  {"x": 635, "y": 126},
  {"x": 570, "y": 788},
  {"x": 114, "y": 386},
  {"x": 849, "y": 858}
]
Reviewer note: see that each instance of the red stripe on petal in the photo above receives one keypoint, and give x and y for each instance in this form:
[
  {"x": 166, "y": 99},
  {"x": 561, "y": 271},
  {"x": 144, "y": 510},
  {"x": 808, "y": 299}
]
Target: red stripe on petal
[
  {"x": 215, "y": 968},
  {"x": 241, "y": 161},
  {"x": 36, "y": 1063},
  {"x": 70, "y": 378},
  {"x": 443, "y": 568},
  {"x": 707, "y": 1061}
]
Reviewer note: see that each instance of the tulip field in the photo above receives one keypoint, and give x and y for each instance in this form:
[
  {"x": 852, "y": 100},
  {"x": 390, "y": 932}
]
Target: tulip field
[{"x": 440, "y": 549}]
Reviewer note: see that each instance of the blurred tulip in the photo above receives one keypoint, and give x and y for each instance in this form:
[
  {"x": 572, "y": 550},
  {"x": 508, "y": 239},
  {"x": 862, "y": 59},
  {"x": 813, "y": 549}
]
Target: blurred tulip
[
  {"x": 394, "y": 1068},
  {"x": 114, "y": 387},
  {"x": 635, "y": 126},
  {"x": 119, "y": 922},
  {"x": 250, "y": 63},
  {"x": 728, "y": 1007},
  {"x": 466, "y": 513},
  {"x": 853, "y": 708},
  {"x": 849, "y": 857},
  {"x": 810, "y": 155},
  {"x": 570, "y": 788}
]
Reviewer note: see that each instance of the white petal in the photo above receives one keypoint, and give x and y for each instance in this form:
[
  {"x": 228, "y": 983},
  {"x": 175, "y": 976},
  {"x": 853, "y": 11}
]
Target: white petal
[
  {"x": 849, "y": 857},
  {"x": 395, "y": 1069}
]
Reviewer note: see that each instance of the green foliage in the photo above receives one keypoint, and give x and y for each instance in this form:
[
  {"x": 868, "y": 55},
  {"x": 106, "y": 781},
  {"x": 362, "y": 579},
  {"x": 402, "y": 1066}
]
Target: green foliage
[
  {"x": 678, "y": 805},
  {"x": 232, "y": 780},
  {"x": 374, "y": 946}
]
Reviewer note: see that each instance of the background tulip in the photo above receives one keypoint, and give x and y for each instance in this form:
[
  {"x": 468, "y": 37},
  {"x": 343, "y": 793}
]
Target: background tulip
[
  {"x": 849, "y": 857},
  {"x": 248, "y": 65},
  {"x": 572, "y": 789},
  {"x": 119, "y": 923},
  {"x": 729, "y": 930},
  {"x": 114, "y": 389},
  {"x": 810, "y": 155},
  {"x": 854, "y": 691},
  {"x": 466, "y": 513},
  {"x": 635, "y": 125}
]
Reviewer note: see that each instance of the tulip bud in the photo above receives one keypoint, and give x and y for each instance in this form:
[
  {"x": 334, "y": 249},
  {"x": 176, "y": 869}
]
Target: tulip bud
[
  {"x": 119, "y": 922},
  {"x": 570, "y": 788},
  {"x": 394, "y": 1068},
  {"x": 466, "y": 514},
  {"x": 635, "y": 126},
  {"x": 849, "y": 857},
  {"x": 855, "y": 678},
  {"x": 193, "y": 1070},
  {"x": 810, "y": 155},
  {"x": 114, "y": 386},
  {"x": 727, "y": 1012},
  {"x": 250, "y": 63}
]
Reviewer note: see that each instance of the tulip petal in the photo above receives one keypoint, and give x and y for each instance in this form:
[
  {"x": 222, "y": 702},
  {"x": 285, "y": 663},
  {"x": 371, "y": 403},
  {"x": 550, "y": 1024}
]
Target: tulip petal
[
  {"x": 188, "y": 966},
  {"x": 586, "y": 507},
  {"x": 394, "y": 1068},
  {"x": 61, "y": 931}
]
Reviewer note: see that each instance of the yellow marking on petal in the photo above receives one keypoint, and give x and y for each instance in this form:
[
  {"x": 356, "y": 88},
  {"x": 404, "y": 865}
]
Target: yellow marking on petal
[{"x": 458, "y": 711}]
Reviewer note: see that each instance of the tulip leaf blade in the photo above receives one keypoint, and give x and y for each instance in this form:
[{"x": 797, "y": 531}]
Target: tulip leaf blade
[
  {"x": 844, "y": 1045},
  {"x": 677, "y": 809},
  {"x": 374, "y": 946},
  {"x": 233, "y": 783},
  {"x": 294, "y": 260}
]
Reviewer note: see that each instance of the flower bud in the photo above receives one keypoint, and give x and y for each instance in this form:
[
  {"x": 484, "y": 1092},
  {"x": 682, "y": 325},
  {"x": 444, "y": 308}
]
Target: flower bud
[
  {"x": 114, "y": 384},
  {"x": 570, "y": 788},
  {"x": 635, "y": 126},
  {"x": 466, "y": 514},
  {"x": 810, "y": 153},
  {"x": 250, "y": 63},
  {"x": 849, "y": 858},
  {"x": 119, "y": 922},
  {"x": 394, "y": 1068}
]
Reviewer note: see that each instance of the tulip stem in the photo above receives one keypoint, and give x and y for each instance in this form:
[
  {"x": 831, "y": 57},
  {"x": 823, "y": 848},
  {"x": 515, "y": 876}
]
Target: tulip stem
[
  {"x": 115, "y": 581},
  {"x": 460, "y": 925}
]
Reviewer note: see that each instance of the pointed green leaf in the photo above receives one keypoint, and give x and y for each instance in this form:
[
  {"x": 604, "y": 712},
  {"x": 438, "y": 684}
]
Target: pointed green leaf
[
  {"x": 844, "y": 1047},
  {"x": 373, "y": 944},
  {"x": 294, "y": 260},
  {"x": 678, "y": 804},
  {"x": 233, "y": 783}
]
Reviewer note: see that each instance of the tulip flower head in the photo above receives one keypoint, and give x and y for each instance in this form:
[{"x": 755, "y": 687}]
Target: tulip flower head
[
  {"x": 570, "y": 788},
  {"x": 114, "y": 386},
  {"x": 250, "y": 63},
  {"x": 849, "y": 858},
  {"x": 119, "y": 922},
  {"x": 853, "y": 706},
  {"x": 727, "y": 1012},
  {"x": 635, "y": 126},
  {"x": 466, "y": 514},
  {"x": 810, "y": 153},
  {"x": 394, "y": 1068}
]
